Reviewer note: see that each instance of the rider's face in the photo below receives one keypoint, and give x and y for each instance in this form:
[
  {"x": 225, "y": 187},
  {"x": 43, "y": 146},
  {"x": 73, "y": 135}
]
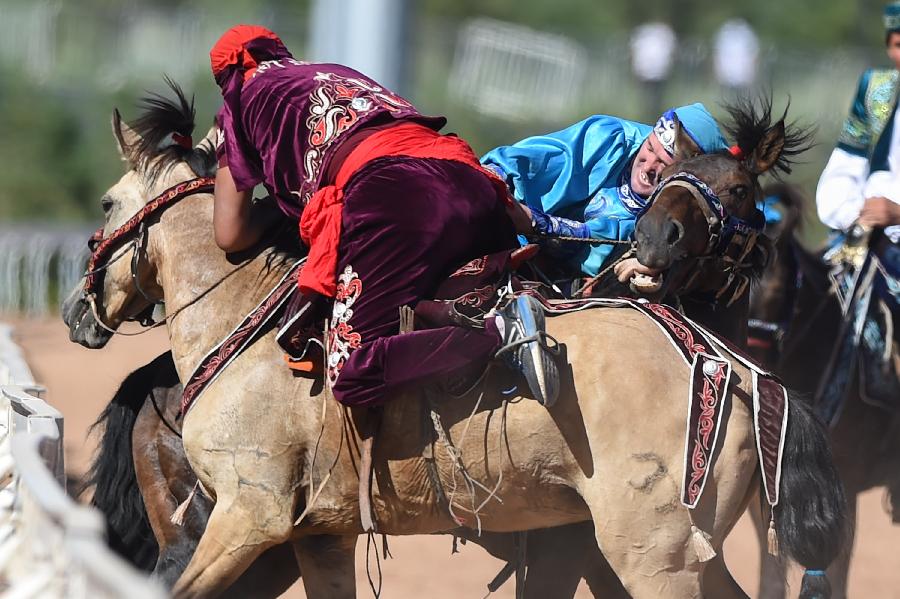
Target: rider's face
[
  {"x": 649, "y": 162},
  {"x": 893, "y": 48}
]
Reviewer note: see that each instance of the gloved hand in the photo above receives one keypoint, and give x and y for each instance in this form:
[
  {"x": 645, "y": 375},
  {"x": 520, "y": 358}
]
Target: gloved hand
[{"x": 557, "y": 226}]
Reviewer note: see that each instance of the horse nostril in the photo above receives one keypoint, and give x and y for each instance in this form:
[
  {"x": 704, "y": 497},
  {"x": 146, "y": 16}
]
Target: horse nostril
[{"x": 675, "y": 232}]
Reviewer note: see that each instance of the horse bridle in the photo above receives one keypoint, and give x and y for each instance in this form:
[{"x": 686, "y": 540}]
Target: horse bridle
[
  {"x": 102, "y": 248},
  {"x": 731, "y": 239}
]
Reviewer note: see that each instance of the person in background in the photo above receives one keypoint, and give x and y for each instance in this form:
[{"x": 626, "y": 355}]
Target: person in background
[
  {"x": 736, "y": 56},
  {"x": 861, "y": 181},
  {"x": 653, "y": 48}
]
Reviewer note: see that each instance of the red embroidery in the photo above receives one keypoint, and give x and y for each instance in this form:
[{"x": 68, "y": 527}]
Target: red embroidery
[
  {"x": 342, "y": 339},
  {"x": 475, "y": 267},
  {"x": 709, "y": 397},
  {"x": 678, "y": 328},
  {"x": 334, "y": 107}
]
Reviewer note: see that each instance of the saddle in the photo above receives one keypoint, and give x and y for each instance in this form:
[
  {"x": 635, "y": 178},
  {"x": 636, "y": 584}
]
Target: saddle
[
  {"x": 463, "y": 299},
  {"x": 863, "y": 274}
]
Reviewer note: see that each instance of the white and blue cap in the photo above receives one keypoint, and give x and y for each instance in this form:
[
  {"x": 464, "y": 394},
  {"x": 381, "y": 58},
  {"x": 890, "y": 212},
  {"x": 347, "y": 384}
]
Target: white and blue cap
[
  {"x": 892, "y": 17},
  {"x": 697, "y": 122}
]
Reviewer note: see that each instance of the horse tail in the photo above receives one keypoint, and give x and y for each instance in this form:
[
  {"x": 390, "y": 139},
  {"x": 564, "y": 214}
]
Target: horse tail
[
  {"x": 811, "y": 518},
  {"x": 112, "y": 475}
]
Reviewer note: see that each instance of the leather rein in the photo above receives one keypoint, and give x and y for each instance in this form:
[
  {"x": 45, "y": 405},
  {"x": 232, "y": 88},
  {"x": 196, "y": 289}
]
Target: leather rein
[
  {"x": 103, "y": 249},
  {"x": 731, "y": 239}
]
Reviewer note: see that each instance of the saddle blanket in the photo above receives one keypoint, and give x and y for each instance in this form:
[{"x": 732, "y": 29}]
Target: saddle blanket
[{"x": 708, "y": 358}]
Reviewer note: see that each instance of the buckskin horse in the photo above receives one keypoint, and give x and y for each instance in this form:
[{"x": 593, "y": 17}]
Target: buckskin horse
[
  {"x": 281, "y": 460},
  {"x": 139, "y": 475},
  {"x": 798, "y": 319}
]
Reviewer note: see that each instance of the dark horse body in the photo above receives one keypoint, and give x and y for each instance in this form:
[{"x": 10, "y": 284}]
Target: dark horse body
[{"x": 796, "y": 299}]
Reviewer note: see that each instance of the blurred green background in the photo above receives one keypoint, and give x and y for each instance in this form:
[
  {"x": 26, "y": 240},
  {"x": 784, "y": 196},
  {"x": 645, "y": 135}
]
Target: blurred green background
[{"x": 64, "y": 65}]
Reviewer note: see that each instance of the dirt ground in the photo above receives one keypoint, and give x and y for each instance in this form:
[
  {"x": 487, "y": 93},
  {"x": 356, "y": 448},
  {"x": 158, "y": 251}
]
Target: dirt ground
[{"x": 80, "y": 382}]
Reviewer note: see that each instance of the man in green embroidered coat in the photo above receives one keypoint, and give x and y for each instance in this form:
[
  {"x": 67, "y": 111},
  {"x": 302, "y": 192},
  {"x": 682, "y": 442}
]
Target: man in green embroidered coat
[{"x": 861, "y": 181}]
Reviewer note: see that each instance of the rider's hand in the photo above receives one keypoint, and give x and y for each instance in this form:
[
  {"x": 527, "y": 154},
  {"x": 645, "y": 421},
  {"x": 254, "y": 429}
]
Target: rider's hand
[
  {"x": 521, "y": 217},
  {"x": 879, "y": 212},
  {"x": 626, "y": 269}
]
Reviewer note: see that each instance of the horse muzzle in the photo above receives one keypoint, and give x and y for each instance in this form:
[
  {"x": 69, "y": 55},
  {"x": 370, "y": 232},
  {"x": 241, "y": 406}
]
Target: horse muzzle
[
  {"x": 659, "y": 241},
  {"x": 83, "y": 327}
]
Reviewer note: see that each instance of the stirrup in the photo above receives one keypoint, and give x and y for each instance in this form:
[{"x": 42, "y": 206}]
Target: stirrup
[{"x": 525, "y": 346}]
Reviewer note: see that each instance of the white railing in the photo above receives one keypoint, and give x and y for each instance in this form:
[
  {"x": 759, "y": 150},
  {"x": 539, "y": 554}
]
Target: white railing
[{"x": 50, "y": 547}]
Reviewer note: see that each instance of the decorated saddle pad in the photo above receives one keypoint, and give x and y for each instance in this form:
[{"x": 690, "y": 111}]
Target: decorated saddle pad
[{"x": 866, "y": 352}]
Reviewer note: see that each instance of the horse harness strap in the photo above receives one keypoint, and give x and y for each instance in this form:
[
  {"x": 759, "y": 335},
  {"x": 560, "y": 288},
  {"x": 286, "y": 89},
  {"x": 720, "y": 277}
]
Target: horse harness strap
[
  {"x": 102, "y": 247},
  {"x": 215, "y": 361}
]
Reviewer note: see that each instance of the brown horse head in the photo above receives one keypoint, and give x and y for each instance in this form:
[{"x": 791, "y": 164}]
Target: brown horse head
[{"x": 705, "y": 199}]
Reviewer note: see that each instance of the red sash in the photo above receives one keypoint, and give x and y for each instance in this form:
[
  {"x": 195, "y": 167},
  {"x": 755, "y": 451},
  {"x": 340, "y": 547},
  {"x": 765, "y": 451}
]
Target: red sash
[{"x": 320, "y": 224}]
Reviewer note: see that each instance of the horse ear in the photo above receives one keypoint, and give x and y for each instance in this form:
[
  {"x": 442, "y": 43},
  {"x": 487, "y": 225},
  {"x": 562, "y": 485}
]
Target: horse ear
[
  {"x": 209, "y": 140},
  {"x": 126, "y": 137},
  {"x": 768, "y": 150},
  {"x": 685, "y": 146}
]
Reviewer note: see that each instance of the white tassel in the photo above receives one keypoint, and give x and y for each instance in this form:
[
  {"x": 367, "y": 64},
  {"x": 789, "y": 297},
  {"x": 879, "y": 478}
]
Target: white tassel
[
  {"x": 702, "y": 546},
  {"x": 177, "y": 517},
  {"x": 772, "y": 538}
]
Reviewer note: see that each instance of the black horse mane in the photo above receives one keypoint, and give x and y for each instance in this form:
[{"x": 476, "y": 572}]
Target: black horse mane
[
  {"x": 112, "y": 476},
  {"x": 161, "y": 117},
  {"x": 752, "y": 118}
]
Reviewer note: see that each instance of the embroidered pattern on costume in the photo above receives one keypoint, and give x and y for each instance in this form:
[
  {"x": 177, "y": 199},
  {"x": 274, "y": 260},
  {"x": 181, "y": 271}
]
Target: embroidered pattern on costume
[
  {"x": 471, "y": 268},
  {"x": 342, "y": 339},
  {"x": 335, "y": 106}
]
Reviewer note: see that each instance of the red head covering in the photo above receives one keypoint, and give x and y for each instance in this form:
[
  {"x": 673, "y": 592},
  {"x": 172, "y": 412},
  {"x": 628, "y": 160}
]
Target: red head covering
[
  {"x": 231, "y": 49},
  {"x": 234, "y": 59}
]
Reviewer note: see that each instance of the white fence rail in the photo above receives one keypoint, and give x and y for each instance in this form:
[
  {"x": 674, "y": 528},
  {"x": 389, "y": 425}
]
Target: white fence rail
[{"x": 50, "y": 547}]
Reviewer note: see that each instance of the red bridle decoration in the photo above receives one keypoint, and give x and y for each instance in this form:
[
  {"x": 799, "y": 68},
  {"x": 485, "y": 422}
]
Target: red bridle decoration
[
  {"x": 104, "y": 246},
  {"x": 737, "y": 152}
]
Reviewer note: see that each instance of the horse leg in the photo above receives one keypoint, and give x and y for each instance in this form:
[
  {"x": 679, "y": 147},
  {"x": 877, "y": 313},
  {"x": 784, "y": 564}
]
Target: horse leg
[
  {"x": 839, "y": 571},
  {"x": 772, "y": 571},
  {"x": 643, "y": 552},
  {"x": 716, "y": 576},
  {"x": 238, "y": 532},
  {"x": 328, "y": 566},
  {"x": 271, "y": 575},
  {"x": 559, "y": 557}
]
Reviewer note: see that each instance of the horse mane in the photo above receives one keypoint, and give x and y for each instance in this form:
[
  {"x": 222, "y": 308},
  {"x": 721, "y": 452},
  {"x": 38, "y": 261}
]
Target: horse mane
[
  {"x": 162, "y": 117},
  {"x": 112, "y": 475},
  {"x": 752, "y": 118}
]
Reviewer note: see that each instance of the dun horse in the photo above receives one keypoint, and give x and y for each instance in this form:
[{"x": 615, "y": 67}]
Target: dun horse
[{"x": 281, "y": 460}]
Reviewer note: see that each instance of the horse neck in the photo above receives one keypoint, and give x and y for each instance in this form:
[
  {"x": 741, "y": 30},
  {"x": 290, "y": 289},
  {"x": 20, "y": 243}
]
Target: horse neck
[{"x": 206, "y": 295}]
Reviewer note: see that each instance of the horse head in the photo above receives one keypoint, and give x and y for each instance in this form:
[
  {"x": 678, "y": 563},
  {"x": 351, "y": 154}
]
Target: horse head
[
  {"x": 121, "y": 282},
  {"x": 703, "y": 223}
]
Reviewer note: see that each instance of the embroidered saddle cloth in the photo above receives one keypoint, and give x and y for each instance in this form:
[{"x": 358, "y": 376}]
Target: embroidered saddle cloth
[{"x": 866, "y": 278}]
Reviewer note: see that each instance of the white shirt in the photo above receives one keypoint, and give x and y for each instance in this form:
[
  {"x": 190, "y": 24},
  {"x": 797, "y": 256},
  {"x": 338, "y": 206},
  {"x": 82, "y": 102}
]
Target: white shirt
[{"x": 846, "y": 183}]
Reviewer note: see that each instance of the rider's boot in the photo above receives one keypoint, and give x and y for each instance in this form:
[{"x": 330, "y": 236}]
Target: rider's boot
[{"x": 521, "y": 326}]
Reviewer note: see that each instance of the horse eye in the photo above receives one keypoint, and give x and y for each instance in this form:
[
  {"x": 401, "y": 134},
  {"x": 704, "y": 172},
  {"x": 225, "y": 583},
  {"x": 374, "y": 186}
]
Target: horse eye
[
  {"x": 106, "y": 204},
  {"x": 739, "y": 191}
]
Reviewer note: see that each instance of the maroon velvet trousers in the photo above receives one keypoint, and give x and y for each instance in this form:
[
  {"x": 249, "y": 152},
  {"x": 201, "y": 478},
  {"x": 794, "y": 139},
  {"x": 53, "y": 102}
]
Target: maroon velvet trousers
[{"x": 407, "y": 224}]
